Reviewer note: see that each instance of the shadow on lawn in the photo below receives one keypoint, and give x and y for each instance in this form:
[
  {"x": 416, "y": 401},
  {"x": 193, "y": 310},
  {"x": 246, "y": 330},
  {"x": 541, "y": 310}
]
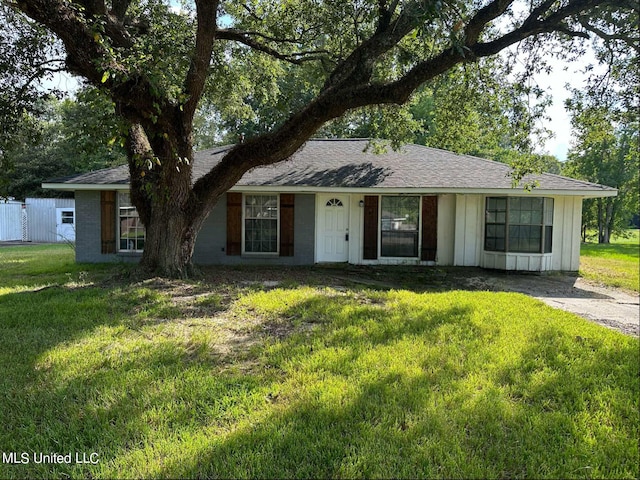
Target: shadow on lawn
[
  {"x": 532, "y": 418},
  {"x": 60, "y": 393},
  {"x": 152, "y": 404}
]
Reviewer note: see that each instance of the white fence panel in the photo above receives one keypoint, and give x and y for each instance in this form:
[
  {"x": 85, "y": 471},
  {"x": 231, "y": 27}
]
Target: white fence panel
[
  {"x": 10, "y": 221},
  {"x": 41, "y": 219}
]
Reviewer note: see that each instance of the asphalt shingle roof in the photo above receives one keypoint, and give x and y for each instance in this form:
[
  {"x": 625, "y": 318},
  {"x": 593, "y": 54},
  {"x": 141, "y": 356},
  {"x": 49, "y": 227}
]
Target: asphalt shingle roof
[{"x": 348, "y": 163}]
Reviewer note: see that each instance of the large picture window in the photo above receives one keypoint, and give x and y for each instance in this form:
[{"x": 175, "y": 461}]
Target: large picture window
[
  {"x": 261, "y": 223},
  {"x": 518, "y": 224},
  {"x": 131, "y": 231},
  {"x": 399, "y": 226}
]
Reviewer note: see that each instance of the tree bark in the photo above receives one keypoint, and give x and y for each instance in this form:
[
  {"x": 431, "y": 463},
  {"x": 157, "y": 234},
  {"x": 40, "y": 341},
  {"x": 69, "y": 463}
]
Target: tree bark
[{"x": 170, "y": 240}]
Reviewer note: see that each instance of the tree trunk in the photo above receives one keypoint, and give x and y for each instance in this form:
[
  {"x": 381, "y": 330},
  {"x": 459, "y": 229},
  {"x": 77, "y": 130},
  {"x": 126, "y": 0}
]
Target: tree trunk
[
  {"x": 169, "y": 244},
  {"x": 600, "y": 222},
  {"x": 608, "y": 221},
  {"x": 161, "y": 192}
]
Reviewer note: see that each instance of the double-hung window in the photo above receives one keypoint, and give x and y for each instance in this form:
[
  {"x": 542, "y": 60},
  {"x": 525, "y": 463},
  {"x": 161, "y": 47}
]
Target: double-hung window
[
  {"x": 131, "y": 231},
  {"x": 518, "y": 224},
  {"x": 261, "y": 223},
  {"x": 399, "y": 226}
]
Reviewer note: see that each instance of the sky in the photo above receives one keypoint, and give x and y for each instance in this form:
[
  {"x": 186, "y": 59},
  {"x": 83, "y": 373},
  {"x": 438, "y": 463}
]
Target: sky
[
  {"x": 557, "y": 84},
  {"x": 559, "y": 120}
]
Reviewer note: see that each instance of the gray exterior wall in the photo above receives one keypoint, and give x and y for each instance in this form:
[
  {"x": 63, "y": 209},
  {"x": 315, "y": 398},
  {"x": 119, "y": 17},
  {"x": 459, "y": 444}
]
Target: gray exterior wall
[
  {"x": 212, "y": 240},
  {"x": 88, "y": 228},
  {"x": 88, "y": 231}
]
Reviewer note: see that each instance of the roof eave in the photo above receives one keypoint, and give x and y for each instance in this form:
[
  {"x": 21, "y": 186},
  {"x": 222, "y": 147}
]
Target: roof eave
[
  {"x": 586, "y": 193},
  {"x": 70, "y": 187}
]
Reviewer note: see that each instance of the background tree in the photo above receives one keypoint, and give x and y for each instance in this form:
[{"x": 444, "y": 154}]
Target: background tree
[
  {"x": 157, "y": 63},
  {"x": 606, "y": 124},
  {"x": 30, "y": 55},
  {"x": 62, "y": 138},
  {"x": 606, "y": 151}
]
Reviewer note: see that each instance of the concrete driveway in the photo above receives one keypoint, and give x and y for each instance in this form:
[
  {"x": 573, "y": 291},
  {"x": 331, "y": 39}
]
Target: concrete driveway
[{"x": 613, "y": 308}]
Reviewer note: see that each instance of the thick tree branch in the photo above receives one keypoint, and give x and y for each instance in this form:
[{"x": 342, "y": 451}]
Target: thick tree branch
[
  {"x": 94, "y": 8},
  {"x": 196, "y": 78},
  {"x": 341, "y": 95},
  {"x": 358, "y": 66},
  {"x": 485, "y": 15},
  {"x": 119, "y": 9},
  {"x": 84, "y": 54}
]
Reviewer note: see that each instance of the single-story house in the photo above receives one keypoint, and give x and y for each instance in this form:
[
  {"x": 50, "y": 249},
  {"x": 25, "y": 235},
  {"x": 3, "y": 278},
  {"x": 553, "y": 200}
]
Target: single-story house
[{"x": 337, "y": 201}]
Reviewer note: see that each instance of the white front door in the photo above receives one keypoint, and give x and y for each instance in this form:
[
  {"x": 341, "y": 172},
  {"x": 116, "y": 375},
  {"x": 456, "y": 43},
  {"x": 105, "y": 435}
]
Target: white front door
[{"x": 332, "y": 244}]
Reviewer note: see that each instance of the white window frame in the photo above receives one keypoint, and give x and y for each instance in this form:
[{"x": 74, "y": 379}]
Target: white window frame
[
  {"x": 261, "y": 254},
  {"x": 64, "y": 214},
  {"x": 118, "y": 217},
  {"x": 545, "y": 223}
]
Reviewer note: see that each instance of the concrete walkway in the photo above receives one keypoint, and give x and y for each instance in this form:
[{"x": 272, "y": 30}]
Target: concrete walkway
[{"x": 613, "y": 308}]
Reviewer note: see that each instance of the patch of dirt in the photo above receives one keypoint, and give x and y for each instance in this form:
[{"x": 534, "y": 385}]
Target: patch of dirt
[{"x": 613, "y": 308}]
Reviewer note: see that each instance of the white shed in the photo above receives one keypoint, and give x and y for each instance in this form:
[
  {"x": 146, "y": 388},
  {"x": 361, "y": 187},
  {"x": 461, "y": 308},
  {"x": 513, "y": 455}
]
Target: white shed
[
  {"x": 51, "y": 220},
  {"x": 42, "y": 220},
  {"x": 11, "y": 221}
]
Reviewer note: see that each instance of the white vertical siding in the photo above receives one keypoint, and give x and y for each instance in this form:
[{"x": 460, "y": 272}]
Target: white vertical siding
[
  {"x": 567, "y": 220},
  {"x": 356, "y": 229},
  {"x": 10, "y": 221},
  {"x": 446, "y": 229},
  {"x": 575, "y": 237},
  {"x": 41, "y": 215},
  {"x": 468, "y": 234}
]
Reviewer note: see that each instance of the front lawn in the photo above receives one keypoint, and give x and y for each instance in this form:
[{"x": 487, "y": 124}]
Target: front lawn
[
  {"x": 296, "y": 373},
  {"x": 616, "y": 264}
]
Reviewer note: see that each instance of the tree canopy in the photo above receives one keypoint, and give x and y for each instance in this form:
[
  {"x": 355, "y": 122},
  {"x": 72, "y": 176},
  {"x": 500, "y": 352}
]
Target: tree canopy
[
  {"x": 60, "y": 138},
  {"x": 157, "y": 61}
]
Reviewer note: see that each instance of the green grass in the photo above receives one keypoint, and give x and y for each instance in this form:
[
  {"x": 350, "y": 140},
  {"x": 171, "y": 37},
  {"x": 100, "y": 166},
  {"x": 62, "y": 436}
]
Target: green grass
[
  {"x": 616, "y": 264},
  {"x": 312, "y": 379}
]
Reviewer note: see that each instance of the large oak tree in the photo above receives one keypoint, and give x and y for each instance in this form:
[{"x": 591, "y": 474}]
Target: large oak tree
[{"x": 157, "y": 61}]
